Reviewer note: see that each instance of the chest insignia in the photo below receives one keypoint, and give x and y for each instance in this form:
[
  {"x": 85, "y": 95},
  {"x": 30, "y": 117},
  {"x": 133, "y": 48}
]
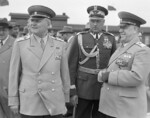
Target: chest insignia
[
  {"x": 107, "y": 44},
  {"x": 123, "y": 60}
]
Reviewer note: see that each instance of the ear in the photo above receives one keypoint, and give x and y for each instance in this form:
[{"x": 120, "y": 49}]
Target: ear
[
  {"x": 50, "y": 26},
  {"x": 137, "y": 29},
  {"x": 104, "y": 21},
  {"x": 49, "y": 23}
]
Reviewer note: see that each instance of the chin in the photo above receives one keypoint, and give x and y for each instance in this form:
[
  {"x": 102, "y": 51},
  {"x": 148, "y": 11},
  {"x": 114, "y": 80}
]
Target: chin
[{"x": 96, "y": 31}]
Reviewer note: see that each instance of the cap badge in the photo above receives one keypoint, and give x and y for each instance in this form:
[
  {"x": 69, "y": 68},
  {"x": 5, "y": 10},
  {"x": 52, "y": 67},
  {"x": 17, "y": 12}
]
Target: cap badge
[
  {"x": 35, "y": 13},
  {"x": 95, "y": 8}
]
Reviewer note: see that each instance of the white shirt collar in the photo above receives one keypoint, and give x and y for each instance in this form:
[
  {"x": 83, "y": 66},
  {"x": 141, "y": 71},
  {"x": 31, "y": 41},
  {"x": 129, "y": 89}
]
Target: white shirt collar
[
  {"x": 4, "y": 41},
  {"x": 39, "y": 39},
  {"x": 94, "y": 35}
]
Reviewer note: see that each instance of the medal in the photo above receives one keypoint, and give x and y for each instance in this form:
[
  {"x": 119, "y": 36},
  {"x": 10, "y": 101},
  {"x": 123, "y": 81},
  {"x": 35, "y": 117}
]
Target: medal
[
  {"x": 107, "y": 44},
  {"x": 124, "y": 60}
]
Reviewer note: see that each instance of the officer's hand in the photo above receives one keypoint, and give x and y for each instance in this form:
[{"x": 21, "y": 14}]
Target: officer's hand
[
  {"x": 99, "y": 78},
  {"x": 74, "y": 100},
  {"x": 15, "y": 109}
]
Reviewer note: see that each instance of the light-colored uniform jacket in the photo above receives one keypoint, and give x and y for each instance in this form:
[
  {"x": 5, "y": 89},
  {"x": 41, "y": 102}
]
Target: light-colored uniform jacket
[
  {"x": 39, "y": 82},
  {"x": 124, "y": 96}
]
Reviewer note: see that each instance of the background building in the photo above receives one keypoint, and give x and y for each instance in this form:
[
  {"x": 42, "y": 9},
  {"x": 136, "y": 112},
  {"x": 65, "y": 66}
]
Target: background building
[{"x": 61, "y": 20}]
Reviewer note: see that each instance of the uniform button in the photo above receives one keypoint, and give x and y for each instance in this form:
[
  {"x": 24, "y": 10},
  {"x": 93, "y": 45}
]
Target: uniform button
[
  {"x": 53, "y": 81},
  {"x": 107, "y": 88},
  {"x": 39, "y": 89},
  {"x": 53, "y": 90},
  {"x": 39, "y": 73},
  {"x": 39, "y": 82},
  {"x": 3, "y": 61},
  {"x": 53, "y": 73},
  {"x": 112, "y": 70}
]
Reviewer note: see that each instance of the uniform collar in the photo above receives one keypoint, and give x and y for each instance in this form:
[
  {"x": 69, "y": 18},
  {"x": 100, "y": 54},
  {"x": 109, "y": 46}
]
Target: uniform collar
[
  {"x": 4, "y": 41},
  {"x": 94, "y": 35},
  {"x": 39, "y": 39}
]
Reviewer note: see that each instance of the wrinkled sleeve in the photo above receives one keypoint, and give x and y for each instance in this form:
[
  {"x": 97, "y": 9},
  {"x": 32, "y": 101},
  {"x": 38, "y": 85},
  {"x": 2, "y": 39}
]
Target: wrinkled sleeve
[
  {"x": 65, "y": 74},
  {"x": 14, "y": 76}
]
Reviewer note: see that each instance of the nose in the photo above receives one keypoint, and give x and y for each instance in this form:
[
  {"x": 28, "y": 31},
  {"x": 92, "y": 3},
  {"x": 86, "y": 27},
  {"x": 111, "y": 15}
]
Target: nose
[{"x": 95, "y": 23}]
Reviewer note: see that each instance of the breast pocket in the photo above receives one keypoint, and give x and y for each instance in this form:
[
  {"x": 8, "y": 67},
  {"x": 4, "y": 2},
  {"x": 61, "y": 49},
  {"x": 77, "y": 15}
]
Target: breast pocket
[{"x": 88, "y": 47}]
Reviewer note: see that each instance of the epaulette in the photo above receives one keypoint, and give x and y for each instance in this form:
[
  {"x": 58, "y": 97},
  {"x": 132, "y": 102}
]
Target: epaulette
[
  {"x": 23, "y": 38},
  {"x": 140, "y": 44},
  {"x": 58, "y": 39},
  {"x": 108, "y": 33},
  {"x": 83, "y": 32}
]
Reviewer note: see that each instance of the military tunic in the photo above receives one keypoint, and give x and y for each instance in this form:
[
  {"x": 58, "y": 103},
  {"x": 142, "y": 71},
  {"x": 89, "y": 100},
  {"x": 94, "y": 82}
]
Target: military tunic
[
  {"x": 39, "y": 80},
  {"x": 87, "y": 85},
  {"x": 124, "y": 96}
]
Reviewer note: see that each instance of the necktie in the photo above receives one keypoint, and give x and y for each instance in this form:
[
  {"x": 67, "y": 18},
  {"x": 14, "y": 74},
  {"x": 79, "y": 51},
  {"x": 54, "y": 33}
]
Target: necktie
[
  {"x": 1, "y": 43},
  {"x": 42, "y": 44},
  {"x": 96, "y": 36}
]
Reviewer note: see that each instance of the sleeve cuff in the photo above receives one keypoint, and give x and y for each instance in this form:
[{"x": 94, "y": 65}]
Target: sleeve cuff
[
  {"x": 13, "y": 101},
  {"x": 67, "y": 97}
]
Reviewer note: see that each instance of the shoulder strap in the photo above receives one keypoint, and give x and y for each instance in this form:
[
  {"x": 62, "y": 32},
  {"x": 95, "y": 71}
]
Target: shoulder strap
[{"x": 88, "y": 55}]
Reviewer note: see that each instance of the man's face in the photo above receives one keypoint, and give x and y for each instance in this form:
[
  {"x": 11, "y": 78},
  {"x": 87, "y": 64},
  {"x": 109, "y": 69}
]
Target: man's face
[
  {"x": 59, "y": 35},
  {"x": 65, "y": 37},
  {"x": 126, "y": 33},
  {"x": 39, "y": 26},
  {"x": 4, "y": 32},
  {"x": 96, "y": 24},
  {"x": 15, "y": 30}
]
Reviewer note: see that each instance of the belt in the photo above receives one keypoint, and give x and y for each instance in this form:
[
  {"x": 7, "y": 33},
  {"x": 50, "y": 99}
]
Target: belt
[{"x": 89, "y": 70}]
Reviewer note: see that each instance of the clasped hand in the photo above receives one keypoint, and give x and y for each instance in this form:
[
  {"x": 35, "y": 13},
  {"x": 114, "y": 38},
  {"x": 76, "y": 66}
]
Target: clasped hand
[{"x": 99, "y": 78}]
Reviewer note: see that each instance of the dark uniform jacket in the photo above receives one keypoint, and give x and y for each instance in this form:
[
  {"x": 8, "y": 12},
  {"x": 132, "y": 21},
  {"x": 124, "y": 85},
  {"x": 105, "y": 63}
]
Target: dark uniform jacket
[{"x": 86, "y": 83}]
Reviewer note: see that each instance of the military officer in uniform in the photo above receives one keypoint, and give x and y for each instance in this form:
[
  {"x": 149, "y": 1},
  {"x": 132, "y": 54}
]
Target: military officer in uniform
[
  {"x": 123, "y": 94},
  {"x": 89, "y": 53},
  {"x": 39, "y": 80}
]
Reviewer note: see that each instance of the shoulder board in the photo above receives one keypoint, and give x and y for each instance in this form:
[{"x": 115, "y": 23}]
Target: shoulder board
[
  {"x": 83, "y": 32},
  {"x": 58, "y": 39},
  {"x": 22, "y": 38},
  {"x": 140, "y": 44},
  {"x": 108, "y": 33}
]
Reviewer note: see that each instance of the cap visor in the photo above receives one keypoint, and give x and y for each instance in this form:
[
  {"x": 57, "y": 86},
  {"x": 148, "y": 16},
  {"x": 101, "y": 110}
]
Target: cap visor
[
  {"x": 38, "y": 17},
  {"x": 95, "y": 18}
]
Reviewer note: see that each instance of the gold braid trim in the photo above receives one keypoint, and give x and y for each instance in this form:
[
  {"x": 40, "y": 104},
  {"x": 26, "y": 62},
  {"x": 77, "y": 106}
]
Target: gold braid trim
[{"x": 88, "y": 55}]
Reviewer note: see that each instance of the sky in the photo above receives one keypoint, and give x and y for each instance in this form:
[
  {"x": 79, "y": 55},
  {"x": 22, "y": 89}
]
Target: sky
[{"x": 76, "y": 10}]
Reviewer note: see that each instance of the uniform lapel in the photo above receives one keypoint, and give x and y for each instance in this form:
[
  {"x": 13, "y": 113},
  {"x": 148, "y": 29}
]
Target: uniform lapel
[
  {"x": 120, "y": 51},
  {"x": 49, "y": 49},
  {"x": 7, "y": 45},
  {"x": 35, "y": 47}
]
